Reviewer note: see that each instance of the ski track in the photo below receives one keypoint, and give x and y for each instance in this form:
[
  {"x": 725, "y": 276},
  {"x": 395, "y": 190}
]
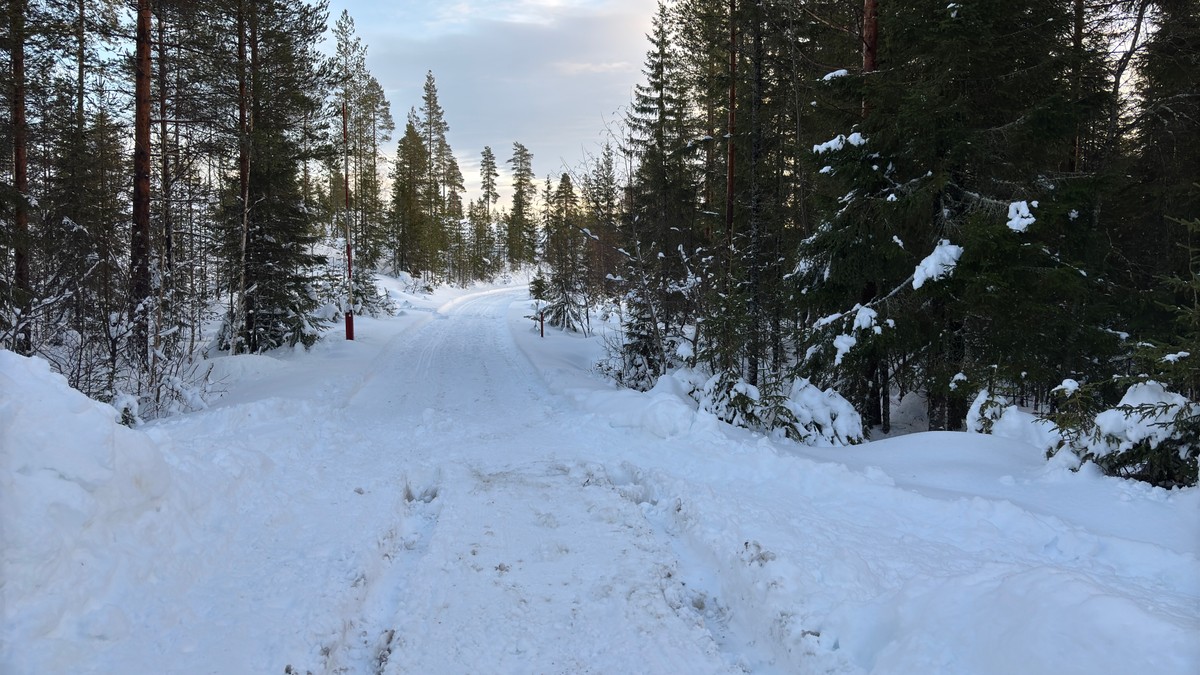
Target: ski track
[{"x": 582, "y": 557}]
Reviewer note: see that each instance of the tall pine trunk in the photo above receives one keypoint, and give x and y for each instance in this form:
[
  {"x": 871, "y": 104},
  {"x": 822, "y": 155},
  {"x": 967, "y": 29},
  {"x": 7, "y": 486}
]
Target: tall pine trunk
[
  {"x": 21, "y": 282},
  {"x": 238, "y": 321},
  {"x": 870, "y": 46},
  {"x": 139, "y": 250},
  {"x": 754, "y": 304}
]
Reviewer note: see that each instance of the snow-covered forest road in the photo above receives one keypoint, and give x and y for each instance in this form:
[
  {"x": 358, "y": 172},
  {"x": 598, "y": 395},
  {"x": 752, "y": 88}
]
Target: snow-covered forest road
[
  {"x": 439, "y": 510},
  {"x": 452, "y": 494}
]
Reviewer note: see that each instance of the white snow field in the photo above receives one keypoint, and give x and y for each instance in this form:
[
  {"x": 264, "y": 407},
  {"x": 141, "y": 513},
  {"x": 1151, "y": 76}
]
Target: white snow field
[{"x": 451, "y": 493}]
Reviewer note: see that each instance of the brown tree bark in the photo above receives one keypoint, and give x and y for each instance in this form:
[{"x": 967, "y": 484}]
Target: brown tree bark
[
  {"x": 21, "y": 282},
  {"x": 166, "y": 179},
  {"x": 238, "y": 323},
  {"x": 730, "y": 129},
  {"x": 139, "y": 250},
  {"x": 80, "y": 62},
  {"x": 1076, "y": 161},
  {"x": 870, "y": 35},
  {"x": 870, "y": 46}
]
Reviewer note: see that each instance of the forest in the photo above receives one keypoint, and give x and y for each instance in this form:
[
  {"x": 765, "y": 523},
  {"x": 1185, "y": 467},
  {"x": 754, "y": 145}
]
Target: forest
[{"x": 987, "y": 204}]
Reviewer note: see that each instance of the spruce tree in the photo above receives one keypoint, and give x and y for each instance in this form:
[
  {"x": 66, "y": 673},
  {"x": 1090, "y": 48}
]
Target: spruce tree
[
  {"x": 413, "y": 249},
  {"x": 274, "y": 262},
  {"x": 938, "y": 157}
]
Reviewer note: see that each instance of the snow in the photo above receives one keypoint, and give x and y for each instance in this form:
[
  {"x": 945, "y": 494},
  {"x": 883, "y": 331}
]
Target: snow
[
  {"x": 839, "y": 142},
  {"x": 1174, "y": 358},
  {"x": 865, "y": 318},
  {"x": 938, "y": 264},
  {"x": 841, "y": 72},
  {"x": 451, "y": 493},
  {"x": 843, "y": 344},
  {"x": 1019, "y": 216},
  {"x": 1068, "y": 387},
  {"x": 1145, "y": 414},
  {"x": 1006, "y": 420}
]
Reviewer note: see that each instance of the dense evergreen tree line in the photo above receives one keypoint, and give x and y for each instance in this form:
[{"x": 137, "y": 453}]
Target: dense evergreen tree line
[
  {"x": 175, "y": 165},
  {"x": 915, "y": 196},
  {"x": 973, "y": 202}
]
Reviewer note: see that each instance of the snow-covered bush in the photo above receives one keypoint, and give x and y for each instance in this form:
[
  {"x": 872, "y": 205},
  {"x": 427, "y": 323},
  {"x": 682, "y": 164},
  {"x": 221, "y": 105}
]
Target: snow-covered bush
[
  {"x": 1153, "y": 435},
  {"x": 823, "y": 417},
  {"x": 737, "y": 402},
  {"x": 985, "y": 410},
  {"x": 997, "y": 416},
  {"x": 637, "y": 355},
  {"x": 806, "y": 414}
]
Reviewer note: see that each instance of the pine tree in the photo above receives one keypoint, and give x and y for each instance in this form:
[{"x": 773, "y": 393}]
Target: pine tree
[
  {"x": 662, "y": 204},
  {"x": 432, "y": 126},
  {"x": 488, "y": 173},
  {"x": 1152, "y": 213},
  {"x": 602, "y": 197},
  {"x": 520, "y": 231},
  {"x": 19, "y": 293},
  {"x": 370, "y": 127}
]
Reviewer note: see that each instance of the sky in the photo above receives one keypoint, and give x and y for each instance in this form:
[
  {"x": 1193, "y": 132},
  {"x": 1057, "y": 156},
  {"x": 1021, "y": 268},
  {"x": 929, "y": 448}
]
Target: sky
[{"x": 551, "y": 74}]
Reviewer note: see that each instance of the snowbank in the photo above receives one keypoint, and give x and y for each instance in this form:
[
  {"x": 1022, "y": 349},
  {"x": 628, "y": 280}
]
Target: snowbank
[{"x": 78, "y": 501}]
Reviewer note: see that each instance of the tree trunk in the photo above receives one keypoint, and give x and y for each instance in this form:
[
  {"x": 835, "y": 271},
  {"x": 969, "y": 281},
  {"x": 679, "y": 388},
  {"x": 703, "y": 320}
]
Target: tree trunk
[
  {"x": 23, "y": 343},
  {"x": 870, "y": 38},
  {"x": 167, "y": 180},
  {"x": 885, "y": 390},
  {"x": 1075, "y": 163},
  {"x": 729, "y": 131},
  {"x": 139, "y": 250},
  {"x": 80, "y": 57},
  {"x": 238, "y": 325},
  {"x": 754, "y": 306}
]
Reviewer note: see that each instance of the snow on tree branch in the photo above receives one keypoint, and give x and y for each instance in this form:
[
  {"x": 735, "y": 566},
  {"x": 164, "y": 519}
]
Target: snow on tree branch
[
  {"x": 1019, "y": 216},
  {"x": 839, "y": 142},
  {"x": 938, "y": 264}
]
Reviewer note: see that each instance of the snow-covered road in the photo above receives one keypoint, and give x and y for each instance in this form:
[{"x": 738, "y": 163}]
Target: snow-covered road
[
  {"x": 437, "y": 511},
  {"x": 452, "y": 494}
]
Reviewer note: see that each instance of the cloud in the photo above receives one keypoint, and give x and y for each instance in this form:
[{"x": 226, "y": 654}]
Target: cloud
[{"x": 576, "y": 68}]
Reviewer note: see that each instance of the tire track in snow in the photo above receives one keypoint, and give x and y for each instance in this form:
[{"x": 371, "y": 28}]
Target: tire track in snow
[
  {"x": 726, "y": 585},
  {"x": 361, "y": 641},
  {"x": 512, "y": 585}
]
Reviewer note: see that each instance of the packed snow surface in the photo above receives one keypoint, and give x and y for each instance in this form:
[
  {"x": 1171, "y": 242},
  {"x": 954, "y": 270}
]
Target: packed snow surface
[{"x": 451, "y": 493}]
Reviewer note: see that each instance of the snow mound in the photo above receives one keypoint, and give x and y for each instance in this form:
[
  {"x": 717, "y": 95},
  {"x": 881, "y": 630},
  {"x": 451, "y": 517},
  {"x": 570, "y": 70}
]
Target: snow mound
[{"x": 78, "y": 494}]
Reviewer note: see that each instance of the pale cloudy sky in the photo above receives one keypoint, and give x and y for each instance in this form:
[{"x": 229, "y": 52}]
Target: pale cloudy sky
[{"x": 547, "y": 73}]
